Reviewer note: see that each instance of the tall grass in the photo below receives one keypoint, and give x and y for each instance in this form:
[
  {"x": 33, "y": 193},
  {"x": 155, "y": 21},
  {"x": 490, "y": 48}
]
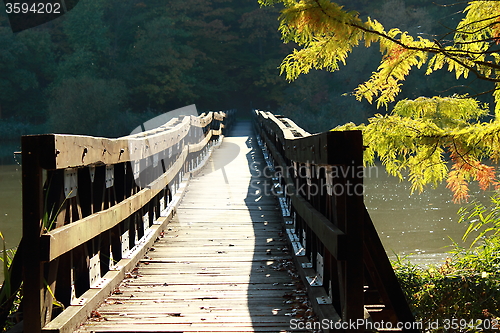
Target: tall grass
[{"x": 10, "y": 292}]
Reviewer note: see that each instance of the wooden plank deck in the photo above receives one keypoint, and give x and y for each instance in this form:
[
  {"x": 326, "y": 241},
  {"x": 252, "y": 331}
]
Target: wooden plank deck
[{"x": 222, "y": 264}]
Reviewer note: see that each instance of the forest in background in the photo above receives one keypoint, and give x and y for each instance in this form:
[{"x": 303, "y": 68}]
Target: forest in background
[{"x": 108, "y": 65}]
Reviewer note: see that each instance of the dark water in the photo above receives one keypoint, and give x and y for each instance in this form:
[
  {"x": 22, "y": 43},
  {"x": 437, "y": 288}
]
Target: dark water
[
  {"x": 7, "y": 155},
  {"x": 418, "y": 225},
  {"x": 10, "y": 204}
]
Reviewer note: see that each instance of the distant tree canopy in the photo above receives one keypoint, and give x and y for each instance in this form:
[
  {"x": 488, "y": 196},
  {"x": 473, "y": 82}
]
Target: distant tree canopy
[
  {"x": 150, "y": 56},
  {"x": 166, "y": 54},
  {"x": 420, "y": 135}
]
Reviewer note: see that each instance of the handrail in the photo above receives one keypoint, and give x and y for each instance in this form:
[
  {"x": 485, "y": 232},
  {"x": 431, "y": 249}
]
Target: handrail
[
  {"x": 61, "y": 151},
  {"x": 336, "y": 246},
  {"x": 92, "y": 206}
]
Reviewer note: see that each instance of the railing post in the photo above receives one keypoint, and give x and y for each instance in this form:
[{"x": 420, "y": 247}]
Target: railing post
[
  {"x": 352, "y": 269},
  {"x": 32, "y": 228}
]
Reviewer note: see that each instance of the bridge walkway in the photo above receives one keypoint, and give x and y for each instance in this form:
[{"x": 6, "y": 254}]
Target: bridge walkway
[{"x": 222, "y": 264}]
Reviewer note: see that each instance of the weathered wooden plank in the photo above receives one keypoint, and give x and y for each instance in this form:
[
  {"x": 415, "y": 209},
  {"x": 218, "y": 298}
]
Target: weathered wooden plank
[
  {"x": 76, "y": 150},
  {"x": 203, "y": 222},
  {"x": 207, "y": 249},
  {"x": 205, "y": 286},
  {"x": 206, "y": 320},
  {"x": 219, "y": 115},
  {"x": 147, "y": 304},
  {"x": 215, "y": 227},
  {"x": 200, "y": 145},
  {"x": 202, "y": 120},
  {"x": 234, "y": 287},
  {"x": 134, "y": 295},
  {"x": 188, "y": 328},
  {"x": 172, "y": 318},
  {"x": 228, "y": 247},
  {"x": 202, "y": 226},
  {"x": 264, "y": 225},
  {"x": 197, "y": 238},
  {"x": 67, "y": 151}
]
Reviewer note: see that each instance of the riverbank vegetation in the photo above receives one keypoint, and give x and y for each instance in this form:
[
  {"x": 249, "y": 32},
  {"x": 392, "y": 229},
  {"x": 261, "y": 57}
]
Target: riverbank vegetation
[
  {"x": 457, "y": 292},
  {"x": 467, "y": 286}
]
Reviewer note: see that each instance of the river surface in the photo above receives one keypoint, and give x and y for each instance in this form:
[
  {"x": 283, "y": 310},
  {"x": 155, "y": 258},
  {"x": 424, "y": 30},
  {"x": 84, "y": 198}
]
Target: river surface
[
  {"x": 418, "y": 226},
  {"x": 10, "y": 204}
]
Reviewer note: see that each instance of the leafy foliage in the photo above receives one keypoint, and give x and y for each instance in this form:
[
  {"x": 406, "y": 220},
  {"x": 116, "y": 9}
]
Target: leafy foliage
[
  {"x": 10, "y": 292},
  {"x": 466, "y": 287},
  {"x": 420, "y": 137},
  {"x": 327, "y": 34},
  {"x": 26, "y": 62},
  {"x": 162, "y": 66},
  {"x": 482, "y": 220},
  {"x": 454, "y": 291},
  {"x": 98, "y": 99}
]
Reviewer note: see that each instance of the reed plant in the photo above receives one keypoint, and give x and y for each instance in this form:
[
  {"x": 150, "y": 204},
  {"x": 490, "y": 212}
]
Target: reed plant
[{"x": 10, "y": 291}]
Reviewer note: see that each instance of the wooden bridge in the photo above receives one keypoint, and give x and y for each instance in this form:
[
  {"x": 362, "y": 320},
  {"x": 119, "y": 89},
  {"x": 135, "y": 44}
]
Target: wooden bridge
[{"x": 203, "y": 224}]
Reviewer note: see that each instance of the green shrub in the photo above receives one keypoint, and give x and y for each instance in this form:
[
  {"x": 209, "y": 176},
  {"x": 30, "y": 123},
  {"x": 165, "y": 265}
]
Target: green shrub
[
  {"x": 450, "y": 292},
  {"x": 466, "y": 287}
]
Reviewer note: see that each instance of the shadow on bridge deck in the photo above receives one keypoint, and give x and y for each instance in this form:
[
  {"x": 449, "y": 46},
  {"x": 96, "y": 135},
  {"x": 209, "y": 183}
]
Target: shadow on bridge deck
[{"x": 222, "y": 264}]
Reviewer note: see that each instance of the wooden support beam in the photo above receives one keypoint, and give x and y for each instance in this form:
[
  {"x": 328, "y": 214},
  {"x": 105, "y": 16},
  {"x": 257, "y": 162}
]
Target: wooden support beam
[
  {"x": 32, "y": 228},
  {"x": 68, "y": 237},
  {"x": 348, "y": 148},
  {"x": 200, "y": 145},
  {"x": 69, "y": 320}
]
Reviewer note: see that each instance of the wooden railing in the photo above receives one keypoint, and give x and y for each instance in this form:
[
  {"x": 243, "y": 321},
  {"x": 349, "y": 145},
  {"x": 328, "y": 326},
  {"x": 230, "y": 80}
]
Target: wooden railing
[
  {"x": 319, "y": 180},
  {"x": 92, "y": 207}
]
